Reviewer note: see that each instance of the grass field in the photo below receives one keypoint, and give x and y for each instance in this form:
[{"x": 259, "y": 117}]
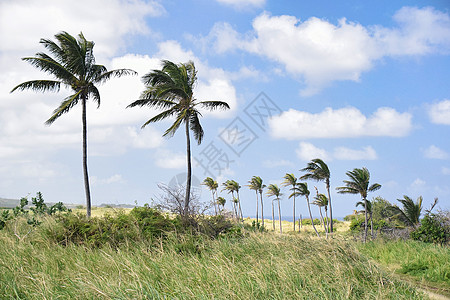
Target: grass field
[{"x": 256, "y": 266}]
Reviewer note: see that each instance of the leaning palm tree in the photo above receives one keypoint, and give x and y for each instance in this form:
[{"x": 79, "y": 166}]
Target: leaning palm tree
[
  {"x": 302, "y": 190},
  {"x": 233, "y": 187},
  {"x": 261, "y": 187},
  {"x": 290, "y": 179},
  {"x": 221, "y": 202},
  {"x": 411, "y": 211},
  {"x": 318, "y": 170},
  {"x": 72, "y": 64},
  {"x": 274, "y": 190},
  {"x": 212, "y": 185},
  {"x": 359, "y": 184},
  {"x": 172, "y": 89},
  {"x": 322, "y": 201},
  {"x": 253, "y": 185}
]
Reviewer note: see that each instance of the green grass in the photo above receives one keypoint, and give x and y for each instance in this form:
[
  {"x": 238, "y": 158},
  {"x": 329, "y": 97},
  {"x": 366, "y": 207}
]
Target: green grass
[
  {"x": 425, "y": 264},
  {"x": 259, "y": 266}
]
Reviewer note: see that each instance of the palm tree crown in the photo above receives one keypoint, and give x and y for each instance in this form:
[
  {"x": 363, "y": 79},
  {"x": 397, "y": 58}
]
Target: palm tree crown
[
  {"x": 172, "y": 90},
  {"x": 411, "y": 211},
  {"x": 359, "y": 184},
  {"x": 72, "y": 63}
]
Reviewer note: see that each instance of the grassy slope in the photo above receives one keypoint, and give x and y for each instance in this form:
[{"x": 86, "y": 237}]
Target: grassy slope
[{"x": 261, "y": 266}]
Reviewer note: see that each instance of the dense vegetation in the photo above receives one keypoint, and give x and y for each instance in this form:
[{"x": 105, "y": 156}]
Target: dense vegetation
[{"x": 144, "y": 253}]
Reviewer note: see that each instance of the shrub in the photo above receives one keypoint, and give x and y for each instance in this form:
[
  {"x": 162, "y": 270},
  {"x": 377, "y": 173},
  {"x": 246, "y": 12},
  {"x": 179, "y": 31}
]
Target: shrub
[
  {"x": 308, "y": 221},
  {"x": 434, "y": 228}
]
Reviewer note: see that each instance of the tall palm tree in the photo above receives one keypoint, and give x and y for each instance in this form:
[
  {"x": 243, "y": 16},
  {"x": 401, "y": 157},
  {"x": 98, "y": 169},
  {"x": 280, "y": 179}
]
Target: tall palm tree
[
  {"x": 172, "y": 89},
  {"x": 322, "y": 201},
  {"x": 212, "y": 185},
  {"x": 261, "y": 187},
  {"x": 274, "y": 190},
  {"x": 290, "y": 179},
  {"x": 318, "y": 170},
  {"x": 72, "y": 64},
  {"x": 253, "y": 185},
  {"x": 359, "y": 184},
  {"x": 411, "y": 211},
  {"x": 233, "y": 187},
  {"x": 302, "y": 190}
]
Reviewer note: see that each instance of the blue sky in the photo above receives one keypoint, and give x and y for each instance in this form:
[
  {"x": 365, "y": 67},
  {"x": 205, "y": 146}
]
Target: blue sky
[{"x": 356, "y": 83}]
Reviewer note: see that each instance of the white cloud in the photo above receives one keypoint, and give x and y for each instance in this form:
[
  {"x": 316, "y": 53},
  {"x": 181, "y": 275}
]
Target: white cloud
[
  {"x": 243, "y": 4},
  {"x": 339, "y": 123},
  {"x": 308, "y": 151},
  {"x": 168, "y": 160},
  {"x": 439, "y": 112},
  {"x": 417, "y": 186},
  {"x": 116, "y": 178},
  {"x": 107, "y": 22},
  {"x": 319, "y": 52},
  {"x": 434, "y": 152},
  {"x": 344, "y": 153}
]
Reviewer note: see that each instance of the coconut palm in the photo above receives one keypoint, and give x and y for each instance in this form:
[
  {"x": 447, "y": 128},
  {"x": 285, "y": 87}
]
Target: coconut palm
[
  {"x": 411, "y": 211},
  {"x": 233, "y": 187},
  {"x": 261, "y": 187},
  {"x": 318, "y": 170},
  {"x": 290, "y": 179},
  {"x": 359, "y": 184},
  {"x": 221, "y": 201},
  {"x": 274, "y": 190},
  {"x": 322, "y": 201},
  {"x": 172, "y": 89},
  {"x": 302, "y": 190},
  {"x": 72, "y": 64},
  {"x": 253, "y": 185},
  {"x": 212, "y": 185}
]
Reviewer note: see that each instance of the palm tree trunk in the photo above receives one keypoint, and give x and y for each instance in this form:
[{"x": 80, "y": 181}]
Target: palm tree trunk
[
  {"x": 371, "y": 224},
  {"x": 323, "y": 222},
  {"x": 279, "y": 216},
  {"x": 273, "y": 217},
  {"x": 214, "y": 203},
  {"x": 365, "y": 220},
  {"x": 85, "y": 168},
  {"x": 329, "y": 203},
  {"x": 241, "y": 216},
  {"x": 328, "y": 219},
  {"x": 294, "y": 211},
  {"x": 310, "y": 215},
  {"x": 257, "y": 207},
  {"x": 262, "y": 209},
  {"x": 189, "y": 175},
  {"x": 300, "y": 223}
]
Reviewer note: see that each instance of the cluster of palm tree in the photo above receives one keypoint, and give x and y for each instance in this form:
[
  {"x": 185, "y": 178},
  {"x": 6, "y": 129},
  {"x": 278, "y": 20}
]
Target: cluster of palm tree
[
  {"x": 317, "y": 170},
  {"x": 72, "y": 63}
]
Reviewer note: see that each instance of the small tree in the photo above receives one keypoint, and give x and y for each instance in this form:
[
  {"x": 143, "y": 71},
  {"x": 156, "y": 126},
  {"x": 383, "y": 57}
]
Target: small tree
[{"x": 274, "y": 190}]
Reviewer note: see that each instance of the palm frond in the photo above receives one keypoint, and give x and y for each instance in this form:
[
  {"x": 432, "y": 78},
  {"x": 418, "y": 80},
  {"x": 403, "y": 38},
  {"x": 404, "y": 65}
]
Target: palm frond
[
  {"x": 51, "y": 67},
  {"x": 213, "y": 105},
  {"x": 39, "y": 86},
  {"x": 64, "y": 107},
  {"x": 114, "y": 74},
  {"x": 196, "y": 127},
  {"x": 163, "y": 115}
]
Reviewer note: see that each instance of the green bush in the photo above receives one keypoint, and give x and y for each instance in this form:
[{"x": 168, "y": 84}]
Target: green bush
[
  {"x": 434, "y": 228},
  {"x": 308, "y": 222},
  {"x": 357, "y": 224}
]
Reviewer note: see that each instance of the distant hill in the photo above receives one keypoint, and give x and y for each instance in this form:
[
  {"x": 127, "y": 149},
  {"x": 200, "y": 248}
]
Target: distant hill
[{"x": 8, "y": 203}]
